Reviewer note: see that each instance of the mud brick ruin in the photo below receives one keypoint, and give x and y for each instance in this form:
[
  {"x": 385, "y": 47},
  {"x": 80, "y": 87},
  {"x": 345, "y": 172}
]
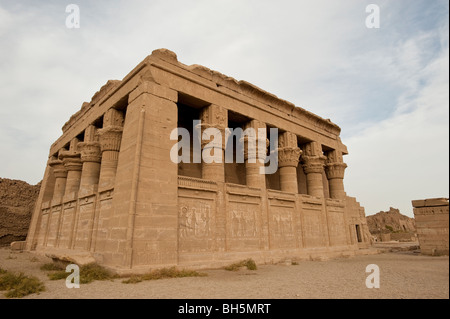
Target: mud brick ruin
[
  {"x": 111, "y": 193},
  {"x": 431, "y": 217}
]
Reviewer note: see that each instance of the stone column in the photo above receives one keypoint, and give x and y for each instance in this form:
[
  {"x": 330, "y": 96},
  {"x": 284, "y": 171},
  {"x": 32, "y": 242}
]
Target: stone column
[
  {"x": 335, "y": 169},
  {"x": 253, "y": 154},
  {"x": 91, "y": 158},
  {"x": 288, "y": 158},
  {"x": 313, "y": 166},
  {"x": 110, "y": 137},
  {"x": 214, "y": 117},
  {"x": 72, "y": 163},
  {"x": 60, "y": 173}
]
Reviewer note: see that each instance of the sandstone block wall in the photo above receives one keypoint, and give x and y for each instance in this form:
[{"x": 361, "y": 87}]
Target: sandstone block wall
[{"x": 432, "y": 225}]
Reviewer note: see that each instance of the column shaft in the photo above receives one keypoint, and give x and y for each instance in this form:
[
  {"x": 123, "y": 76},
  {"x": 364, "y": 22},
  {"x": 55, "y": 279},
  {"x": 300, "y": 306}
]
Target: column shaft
[
  {"x": 72, "y": 163},
  {"x": 214, "y": 118},
  {"x": 337, "y": 188},
  {"x": 73, "y": 181},
  {"x": 60, "y": 174},
  {"x": 314, "y": 184},
  {"x": 288, "y": 179},
  {"x": 60, "y": 183},
  {"x": 335, "y": 170},
  {"x": 313, "y": 165},
  {"x": 288, "y": 158},
  {"x": 255, "y": 151},
  {"x": 91, "y": 158},
  {"x": 110, "y": 137},
  {"x": 214, "y": 171}
]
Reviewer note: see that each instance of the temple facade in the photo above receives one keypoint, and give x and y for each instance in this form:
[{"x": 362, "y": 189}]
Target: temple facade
[{"x": 112, "y": 194}]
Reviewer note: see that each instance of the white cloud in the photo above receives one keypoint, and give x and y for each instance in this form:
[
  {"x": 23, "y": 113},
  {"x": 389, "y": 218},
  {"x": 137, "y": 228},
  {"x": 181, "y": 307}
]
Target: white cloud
[
  {"x": 406, "y": 157},
  {"x": 384, "y": 87}
]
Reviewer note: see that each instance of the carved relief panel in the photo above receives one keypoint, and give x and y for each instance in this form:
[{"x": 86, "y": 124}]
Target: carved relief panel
[{"x": 196, "y": 224}]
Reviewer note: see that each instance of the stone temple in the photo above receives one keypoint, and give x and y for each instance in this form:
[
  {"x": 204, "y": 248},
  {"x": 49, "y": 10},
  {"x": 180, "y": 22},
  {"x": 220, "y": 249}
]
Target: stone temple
[{"x": 112, "y": 194}]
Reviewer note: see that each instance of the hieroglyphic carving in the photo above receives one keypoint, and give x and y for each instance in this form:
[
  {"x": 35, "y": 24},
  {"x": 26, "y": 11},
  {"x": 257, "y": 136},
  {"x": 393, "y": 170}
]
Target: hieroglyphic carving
[
  {"x": 312, "y": 229},
  {"x": 194, "y": 219},
  {"x": 282, "y": 223},
  {"x": 66, "y": 226},
  {"x": 336, "y": 225},
  {"x": 431, "y": 210},
  {"x": 243, "y": 222}
]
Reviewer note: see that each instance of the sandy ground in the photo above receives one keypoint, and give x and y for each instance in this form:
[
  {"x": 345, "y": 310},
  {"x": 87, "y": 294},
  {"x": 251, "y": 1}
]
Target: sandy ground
[{"x": 403, "y": 274}]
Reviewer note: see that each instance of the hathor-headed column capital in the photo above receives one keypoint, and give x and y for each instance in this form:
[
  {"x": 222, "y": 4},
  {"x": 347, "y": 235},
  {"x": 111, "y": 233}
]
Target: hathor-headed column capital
[
  {"x": 288, "y": 150},
  {"x": 58, "y": 167},
  {"x": 313, "y": 164},
  {"x": 335, "y": 170},
  {"x": 110, "y": 138},
  {"x": 214, "y": 115},
  {"x": 71, "y": 160},
  {"x": 289, "y": 156},
  {"x": 313, "y": 159},
  {"x": 90, "y": 152},
  {"x": 335, "y": 167},
  {"x": 217, "y": 135},
  {"x": 214, "y": 118}
]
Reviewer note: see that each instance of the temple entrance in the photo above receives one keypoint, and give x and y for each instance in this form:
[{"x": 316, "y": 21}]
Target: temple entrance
[{"x": 358, "y": 233}]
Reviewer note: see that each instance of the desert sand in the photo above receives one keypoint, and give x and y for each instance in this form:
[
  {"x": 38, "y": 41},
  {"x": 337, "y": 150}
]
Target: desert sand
[{"x": 403, "y": 274}]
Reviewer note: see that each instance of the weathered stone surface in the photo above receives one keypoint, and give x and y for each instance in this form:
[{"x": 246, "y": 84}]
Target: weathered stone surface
[
  {"x": 391, "y": 221},
  {"x": 17, "y": 199},
  {"x": 18, "y": 245},
  {"x": 432, "y": 225},
  {"x": 116, "y": 195}
]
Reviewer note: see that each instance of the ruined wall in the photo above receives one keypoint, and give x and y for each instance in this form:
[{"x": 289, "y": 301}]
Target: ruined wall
[
  {"x": 432, "y": 225},
  {"x": 391, "y": 220},
  {"x": 17, "y": 201},
  {"x": 393, "y": 225}
]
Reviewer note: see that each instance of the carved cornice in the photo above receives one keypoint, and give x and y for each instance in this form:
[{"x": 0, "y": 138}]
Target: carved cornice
[
  {"x": 335, "y": 170},
  {"x": 110, "y": 138},
  {"x": 90, "y": 152},
  {"x": 196, "y": 183},
  {"x": 289, "y": 156},
  {"x": 313, "y": 164}
]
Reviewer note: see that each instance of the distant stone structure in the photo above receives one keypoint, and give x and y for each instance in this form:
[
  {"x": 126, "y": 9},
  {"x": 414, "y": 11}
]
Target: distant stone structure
[
  {"x": 432, "y": 225},
  {"x": 392, "y": 225},
  {"x": 112, "y": 194}
]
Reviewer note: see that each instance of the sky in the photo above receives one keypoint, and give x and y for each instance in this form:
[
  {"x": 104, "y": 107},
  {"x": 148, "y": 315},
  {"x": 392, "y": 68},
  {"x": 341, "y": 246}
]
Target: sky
[{"x": 386, "y": 87}]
